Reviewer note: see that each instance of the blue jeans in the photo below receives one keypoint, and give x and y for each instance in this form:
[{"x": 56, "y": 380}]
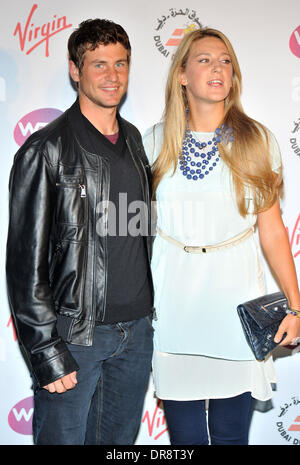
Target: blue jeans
[
  {"x": 228, "y": 421},
  {"x": 106, "y": 405}
]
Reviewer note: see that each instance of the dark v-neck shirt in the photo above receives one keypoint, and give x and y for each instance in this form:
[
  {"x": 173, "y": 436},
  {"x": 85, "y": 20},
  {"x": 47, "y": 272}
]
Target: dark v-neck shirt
[{"x": 129, "y": 294}]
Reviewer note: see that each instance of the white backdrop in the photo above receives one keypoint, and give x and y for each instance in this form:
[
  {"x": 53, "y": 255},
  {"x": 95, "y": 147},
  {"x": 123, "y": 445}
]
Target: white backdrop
[{"x": 35, "y": 88}]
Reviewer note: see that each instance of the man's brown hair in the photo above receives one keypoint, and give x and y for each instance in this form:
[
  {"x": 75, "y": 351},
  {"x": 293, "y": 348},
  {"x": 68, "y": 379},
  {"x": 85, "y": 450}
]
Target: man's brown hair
[{"x": 94, "y": 32}]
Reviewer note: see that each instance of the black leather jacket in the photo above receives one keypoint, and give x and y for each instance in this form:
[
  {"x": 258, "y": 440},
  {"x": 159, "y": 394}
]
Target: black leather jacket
[{"x": 56, "y": 261}]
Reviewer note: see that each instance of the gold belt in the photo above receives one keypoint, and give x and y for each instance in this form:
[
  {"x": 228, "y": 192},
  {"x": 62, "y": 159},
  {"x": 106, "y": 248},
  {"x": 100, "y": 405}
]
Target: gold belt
[{"x": 208, "y": 248}]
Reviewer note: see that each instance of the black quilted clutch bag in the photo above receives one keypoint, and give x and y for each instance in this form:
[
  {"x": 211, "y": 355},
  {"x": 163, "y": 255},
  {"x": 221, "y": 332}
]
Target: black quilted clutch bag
[{"x": 260, "y": 320}]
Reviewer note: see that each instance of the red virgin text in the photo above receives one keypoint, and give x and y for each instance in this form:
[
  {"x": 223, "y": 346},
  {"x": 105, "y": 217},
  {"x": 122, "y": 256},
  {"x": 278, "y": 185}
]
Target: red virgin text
[{"x": 32, "y": 36}]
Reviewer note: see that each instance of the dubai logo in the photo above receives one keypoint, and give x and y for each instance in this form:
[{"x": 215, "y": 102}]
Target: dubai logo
[
  {"x": 295, "y": 42},
  {"x": 289, "y": 426},
  {"x": 294, "y": 140},
  {"x": 32, "y": 36},
  {"x": 171, "y": 28}
]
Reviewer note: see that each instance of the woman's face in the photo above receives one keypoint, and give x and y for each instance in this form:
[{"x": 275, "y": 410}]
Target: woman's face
[{"x": 207, "y": 75}]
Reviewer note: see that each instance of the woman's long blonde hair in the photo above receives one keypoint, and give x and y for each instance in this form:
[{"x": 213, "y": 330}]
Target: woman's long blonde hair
[{"x": 249, "y": 157}]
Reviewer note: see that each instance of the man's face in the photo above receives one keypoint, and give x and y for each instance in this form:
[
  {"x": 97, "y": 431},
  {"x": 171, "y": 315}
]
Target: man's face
[{"x": 103, "y": 79}]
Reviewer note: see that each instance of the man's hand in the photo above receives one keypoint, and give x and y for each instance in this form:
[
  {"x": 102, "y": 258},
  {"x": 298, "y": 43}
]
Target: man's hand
[{"x": 63, "y": 384}]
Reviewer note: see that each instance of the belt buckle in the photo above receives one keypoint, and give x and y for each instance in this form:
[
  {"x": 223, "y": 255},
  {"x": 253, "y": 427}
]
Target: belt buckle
[{"x": 187, "y": 247}]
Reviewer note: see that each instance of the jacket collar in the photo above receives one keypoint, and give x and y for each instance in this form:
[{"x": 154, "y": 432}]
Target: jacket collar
[{"x": 76, "y": 121}]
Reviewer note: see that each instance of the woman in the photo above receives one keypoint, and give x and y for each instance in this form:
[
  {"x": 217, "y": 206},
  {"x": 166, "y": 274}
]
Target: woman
[{"x": 217, "y": 174}]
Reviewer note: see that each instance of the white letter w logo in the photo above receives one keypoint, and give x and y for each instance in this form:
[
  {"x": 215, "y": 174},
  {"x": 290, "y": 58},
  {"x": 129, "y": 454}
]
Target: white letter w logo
[
  {"x": 297, "y": 35},
  {"x": 29, "y": 128},
  {"x": 23, "y": 414}
]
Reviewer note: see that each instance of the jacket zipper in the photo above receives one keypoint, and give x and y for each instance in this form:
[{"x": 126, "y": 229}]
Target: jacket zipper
[
  {"x": 56, "y": 253},
  {"x": 82, "y": 187},
  {"x": 105, "y": 252},
  {"x": 84, "y": 263},
  {"x": 145, "y": 192}
]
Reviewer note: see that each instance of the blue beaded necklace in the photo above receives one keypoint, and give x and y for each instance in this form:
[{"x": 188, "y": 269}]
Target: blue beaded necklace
[{"x": 195, "y": 163}]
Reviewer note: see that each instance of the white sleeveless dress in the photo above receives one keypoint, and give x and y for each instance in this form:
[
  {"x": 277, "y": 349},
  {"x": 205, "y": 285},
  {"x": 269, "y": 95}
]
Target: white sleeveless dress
[{"x": 200, "y": 351}]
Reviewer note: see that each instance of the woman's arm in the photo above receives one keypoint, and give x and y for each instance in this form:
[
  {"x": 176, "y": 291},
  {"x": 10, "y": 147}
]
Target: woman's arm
[{"x": 275, "y": 244}]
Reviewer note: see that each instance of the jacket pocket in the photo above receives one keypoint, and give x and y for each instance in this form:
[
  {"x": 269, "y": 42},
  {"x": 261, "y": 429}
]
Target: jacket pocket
[
  {"x": 71, "y": 200},
  {"x": 68, "y": 278},
  {"x": 64, "y": 326}
]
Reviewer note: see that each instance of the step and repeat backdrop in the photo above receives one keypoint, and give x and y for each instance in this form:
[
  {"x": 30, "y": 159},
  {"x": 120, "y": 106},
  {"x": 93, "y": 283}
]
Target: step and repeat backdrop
[{"x": 35, "y": 88}]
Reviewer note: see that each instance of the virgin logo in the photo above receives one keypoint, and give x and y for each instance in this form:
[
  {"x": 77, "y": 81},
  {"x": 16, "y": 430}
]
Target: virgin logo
[
  {"x": 33, "y": 121},
  {"x": 295, "y": 42},
  {"x": 31, "y": 36},
  {"x": 156, "y": 423},
  {"x": 20, "y": 416},
  {"x": 294, "y": 237}
]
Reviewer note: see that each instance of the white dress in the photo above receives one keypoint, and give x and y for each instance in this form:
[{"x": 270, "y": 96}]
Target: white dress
[{"x": 200, "y": 351}]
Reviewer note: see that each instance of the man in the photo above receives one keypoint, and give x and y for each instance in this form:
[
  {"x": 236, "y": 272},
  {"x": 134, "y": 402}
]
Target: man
[{"x": 81, "y": 298}]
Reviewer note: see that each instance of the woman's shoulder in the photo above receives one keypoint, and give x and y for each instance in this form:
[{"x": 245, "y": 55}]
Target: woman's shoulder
[
  {"x": 273, "y": 147},
  {"x": 152, "y": 140},
  {"x": 267, "y": 134},
  {"x": 154, "y": 131}
]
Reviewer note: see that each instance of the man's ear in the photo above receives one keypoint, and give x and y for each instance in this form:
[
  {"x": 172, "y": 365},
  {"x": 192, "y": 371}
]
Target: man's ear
[{"x": 74, "y": 71}]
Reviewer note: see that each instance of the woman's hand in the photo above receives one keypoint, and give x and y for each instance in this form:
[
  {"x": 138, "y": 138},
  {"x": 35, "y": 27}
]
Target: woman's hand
[
  {"x": 275, "y": 244},
  {"x": 290, "y": 325}
]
